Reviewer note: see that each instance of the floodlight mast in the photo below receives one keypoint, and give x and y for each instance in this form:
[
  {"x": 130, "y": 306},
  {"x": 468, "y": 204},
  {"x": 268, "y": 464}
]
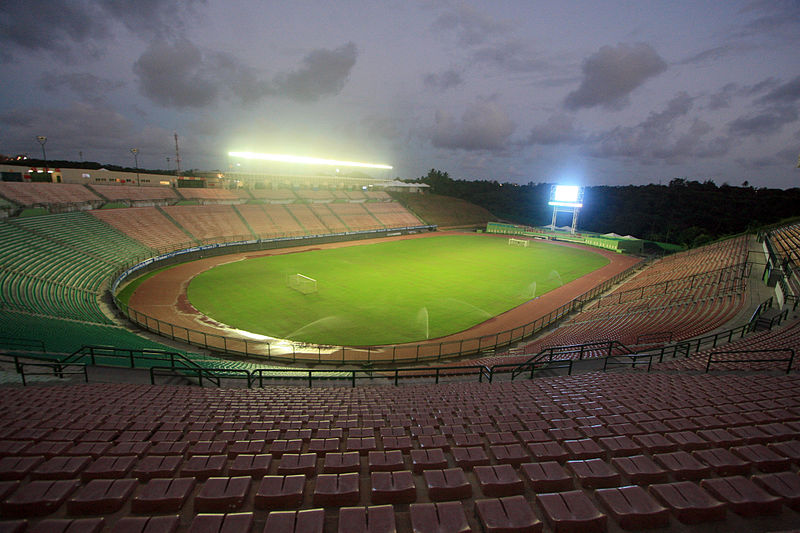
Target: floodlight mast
[{"x": 566, "y": 198}]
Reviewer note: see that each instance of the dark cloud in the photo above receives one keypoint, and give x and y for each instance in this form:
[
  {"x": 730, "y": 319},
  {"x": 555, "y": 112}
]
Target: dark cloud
[
  {"x": 84, "y": 84},
  {"x": 771, "y": 18},
  {"x": 323, "y": 73},
  {"x": 57, "y": 26},
  {"x": 767, "y": 122},
  {"x": 442, "y": 81},
  {"x": 472, "y": 27},
  {"x": 72, "y": 29},
  {"x": 724, "y": 97},
  {"x": 483, "y": 126},
  {"x": 612, "y": 73},
  {"x": 656, "y": 138},
  {"x": 559, "y": 129},
  {"x": 509, "y": 55},
  {"x": 786, "y": 93},
  {"x": 97, "y": 130},
  {"x": 718, "y": 52},
  {"x": 174, "y": 74},
  {"x": 179, "y": 74}
]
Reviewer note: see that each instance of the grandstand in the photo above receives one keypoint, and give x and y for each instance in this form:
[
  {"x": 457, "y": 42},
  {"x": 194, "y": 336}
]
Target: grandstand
[{"x": 655, "y": 441}]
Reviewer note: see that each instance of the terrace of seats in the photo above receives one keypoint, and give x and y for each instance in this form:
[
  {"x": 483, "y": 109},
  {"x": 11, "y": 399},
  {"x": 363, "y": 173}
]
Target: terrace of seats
[
  {"x": 392, "y": 214},
  {"x": 147, "y": 225},
  {"x": 355, "y": 216},
  {"x": 274, "y": 194},
  {"x": 122, "y": 192},
  {"x": 56, "y": 265},
  {"x": 593, "y": 452},
  {"x": 307, "y": 219},
  {"x": 787, "y": 243},
  {"x": 209, "y": 222},
  {"x": 208, "y": 194},
  {"x": 27, "y": 194}
]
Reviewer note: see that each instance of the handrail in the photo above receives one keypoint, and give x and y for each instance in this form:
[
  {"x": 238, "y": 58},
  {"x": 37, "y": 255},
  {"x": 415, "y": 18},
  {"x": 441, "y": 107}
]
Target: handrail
[
  {"x": 22, "y": 342},
  {"x": 580, "y": 349},
  {"x": 533, "y": 366},
  {"x": 788, "y": 360},
  {"x": 395, "y": 374},
  {"x": 634, "y": 359},
  {"x": 216, "y": 373},
  {"x": 56, "y": 369},
  {"x": 176, "y": 359}
]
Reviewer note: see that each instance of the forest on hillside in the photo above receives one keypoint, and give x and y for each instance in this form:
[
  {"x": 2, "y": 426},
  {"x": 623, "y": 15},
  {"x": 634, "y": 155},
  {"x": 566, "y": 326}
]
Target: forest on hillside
[{"x": 683, "y": 212}]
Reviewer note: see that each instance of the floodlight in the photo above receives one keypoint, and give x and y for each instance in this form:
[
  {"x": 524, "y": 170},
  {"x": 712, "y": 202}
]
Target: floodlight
[
  {"x": 566, "y": 196},
  {"x": 286, "y": 158}
]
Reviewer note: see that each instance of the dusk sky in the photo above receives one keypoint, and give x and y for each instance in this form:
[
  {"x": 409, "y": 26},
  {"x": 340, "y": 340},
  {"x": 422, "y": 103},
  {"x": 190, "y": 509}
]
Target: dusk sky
[{"x": 586, "y": 92}]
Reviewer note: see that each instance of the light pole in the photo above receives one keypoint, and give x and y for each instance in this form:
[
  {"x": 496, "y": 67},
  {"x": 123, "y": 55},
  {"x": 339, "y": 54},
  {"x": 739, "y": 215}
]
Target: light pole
[
  {"x": 42, "y": 139},
  {"x": 135, "y": 152}
]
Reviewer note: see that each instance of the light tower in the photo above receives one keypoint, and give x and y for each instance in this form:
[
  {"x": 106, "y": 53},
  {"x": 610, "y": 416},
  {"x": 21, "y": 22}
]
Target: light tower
[
  {"x": 135, "y": 152},
  {"x": 566, "y": 198},
  {"x": 42, "y": 140}
]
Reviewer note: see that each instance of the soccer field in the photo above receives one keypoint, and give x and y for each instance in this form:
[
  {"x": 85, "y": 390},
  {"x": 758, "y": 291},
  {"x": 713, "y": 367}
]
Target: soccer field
[{"x": 386, "y": 293}]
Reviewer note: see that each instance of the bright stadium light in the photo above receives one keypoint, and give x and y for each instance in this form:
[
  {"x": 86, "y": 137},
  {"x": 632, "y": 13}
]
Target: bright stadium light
[
  {"x": 285, "y": 158},
  {"x": 566, "y": 196}
]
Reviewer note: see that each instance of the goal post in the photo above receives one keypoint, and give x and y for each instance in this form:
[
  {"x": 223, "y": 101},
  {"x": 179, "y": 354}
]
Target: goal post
[
  {"x": 301, "y": 283},
  {"x": 518, "y": 242}
]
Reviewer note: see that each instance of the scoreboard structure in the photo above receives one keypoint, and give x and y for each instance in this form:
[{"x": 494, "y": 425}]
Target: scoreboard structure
[{"x": 566, "y": 199}]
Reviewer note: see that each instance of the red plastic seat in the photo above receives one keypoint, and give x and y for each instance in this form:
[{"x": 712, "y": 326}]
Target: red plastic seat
[
  {"x": 688, "y": 502},
  {"x": 434, "y": 441},
  {"x": 61, "y": 467},
  {"x": 16, "y": 467},
  {"x": 722, "y": 461},
  {"x": 362, "y": 445},
  {"x": 620, "y": 445},
  {"x": 783, "y": 484},
  {"x": 720, "y": 437},
  {"x": 372, "y": 519},
  {"x": 548, "y": 476},
  {"x": 467, "y": 458},
  {"x": 466, "y": 440},
  {"x": 323, "y": 445},
  {"x": 130, "y": 448},
  {"x": 277, "y": 492},
  {"x": 583, "y": 449},
  {"x": 386, "y": 461},
  {"x": 147, "y": 524},
  {"x": 338, "y": 463},
  {"x": 68, "y": 525},
  {"x": 163, "y": 495},
  {"x": 688, "y": 440},
  {"x": 501, "y": 437},
  {"x": 101, "y": 496},
  {"x": 790, "y": 449},
  {"x": 594, "y": 473},
  {"x": 498, "y": 481},
  {"x": 548, "y": 451},
  {"x": 762, "y": 457},
  {"x": 204, "y": 466},
  {"x": 169, "y": 448},
  {"x": 571, "y": 511},
  {"x": 336, "y": 490},
  {"x": 633, "y": 508},
  {"x": 46, "y": 448},
  {"x": 502, "y": 515},
  {"x": 682, "y": 465},
  {"x": 655, "y": 443},
  {"x": 222, "y": 523},
  {"x": 221, "y": 494},
  {"x": 109, "y": 467},
  {"x": 280, "y": 446},
  {"x": 157, "y": 466},
  {"x": 397, "y": 443},
  {"x": 92, "y": 449},
  {"x": 444, "y": 517},
  {"x": 304, "y": 463},
  {"x": 447, "y": 484},
  {"x": 393, "y": 487},
  {"x": 208, "y": 447},
  {"x": 38, "y": 498},
  {"x": 640, "y": 469},
  {"x": 742, "y": 495},
  {"x": 430, "y": 459},
  {"x": 306, "y": 521},
  {"x": 511, "y": 454},
  {"x": 255, "y": 466}
]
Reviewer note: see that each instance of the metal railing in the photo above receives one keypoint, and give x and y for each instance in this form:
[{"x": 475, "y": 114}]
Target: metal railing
[
  {"x": 22, "y": 343},
  {"x": 534, "y": 367},
  {"x": 789, "y": 360},
  {"x": 53, "y": 368},
  {"x": 555, "y": 353}
]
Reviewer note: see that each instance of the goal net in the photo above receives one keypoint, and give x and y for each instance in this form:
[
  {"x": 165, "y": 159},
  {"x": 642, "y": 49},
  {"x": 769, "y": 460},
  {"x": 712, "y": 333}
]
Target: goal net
[
  {"x": 518, "y": 242},
  {"x": 301, "y": 283}
]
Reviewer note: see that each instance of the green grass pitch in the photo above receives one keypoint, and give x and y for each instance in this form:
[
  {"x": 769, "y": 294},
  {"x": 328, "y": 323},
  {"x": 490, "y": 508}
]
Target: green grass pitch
[{"x": 385, "y": 293}]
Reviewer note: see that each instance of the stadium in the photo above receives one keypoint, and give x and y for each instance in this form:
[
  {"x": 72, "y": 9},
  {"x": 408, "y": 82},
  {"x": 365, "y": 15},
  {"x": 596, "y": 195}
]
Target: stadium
[{"x": 443, "y": 372}]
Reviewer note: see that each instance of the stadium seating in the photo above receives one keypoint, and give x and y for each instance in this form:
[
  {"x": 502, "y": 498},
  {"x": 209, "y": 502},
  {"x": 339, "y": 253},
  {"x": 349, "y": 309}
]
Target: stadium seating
[
  {"x": 135, "y": 194},
  {"x": 147, "y": 225},
  {"x": 119, "y": 452},
  {"x": 27, "y": 194}
]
